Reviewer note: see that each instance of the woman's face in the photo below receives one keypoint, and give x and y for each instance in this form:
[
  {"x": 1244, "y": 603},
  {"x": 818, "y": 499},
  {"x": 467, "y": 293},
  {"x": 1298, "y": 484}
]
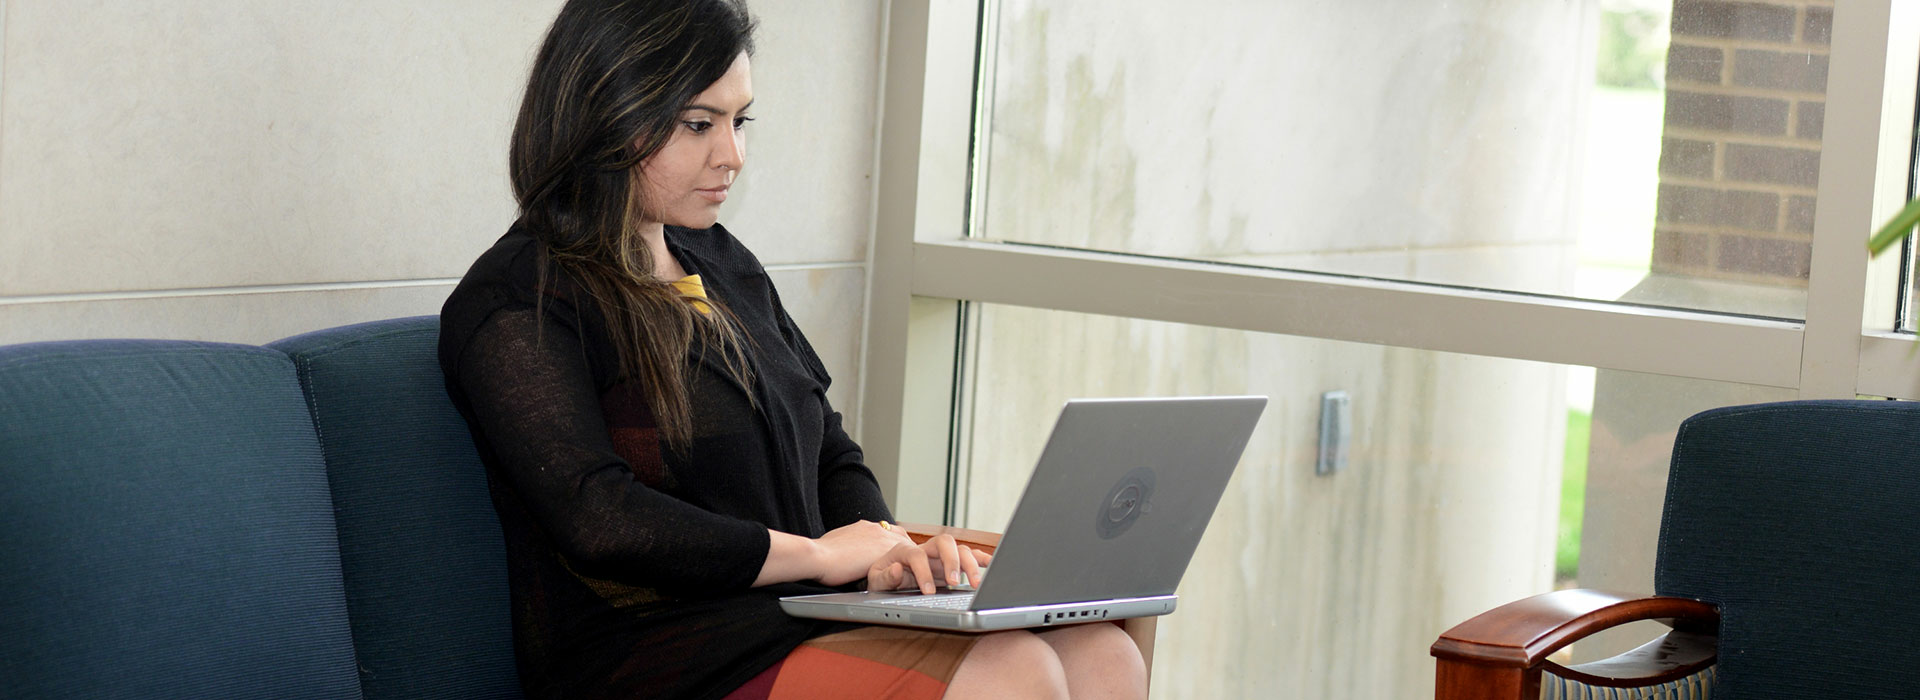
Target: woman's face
[{"x": 684, "y": 182}]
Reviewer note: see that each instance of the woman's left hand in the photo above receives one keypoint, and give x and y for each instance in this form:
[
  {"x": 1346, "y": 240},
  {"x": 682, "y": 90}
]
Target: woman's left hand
[{"x": 922, "y": 565}]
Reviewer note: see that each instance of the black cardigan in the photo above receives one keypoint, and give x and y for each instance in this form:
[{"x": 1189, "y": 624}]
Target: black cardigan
[{"x": 630, "y": 564}]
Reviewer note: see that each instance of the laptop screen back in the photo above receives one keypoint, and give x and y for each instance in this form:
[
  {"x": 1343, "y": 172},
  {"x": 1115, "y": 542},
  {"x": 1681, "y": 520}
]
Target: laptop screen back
[{"x": 1116, "y": 507}]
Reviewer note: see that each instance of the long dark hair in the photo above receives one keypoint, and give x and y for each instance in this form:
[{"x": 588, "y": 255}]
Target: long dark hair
[{"x": 606, "y": 93}]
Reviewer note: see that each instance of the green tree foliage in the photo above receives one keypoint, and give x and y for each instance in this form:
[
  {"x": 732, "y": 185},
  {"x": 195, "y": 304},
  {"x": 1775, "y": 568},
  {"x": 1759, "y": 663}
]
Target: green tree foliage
[{"x": 1633, "y": 49}]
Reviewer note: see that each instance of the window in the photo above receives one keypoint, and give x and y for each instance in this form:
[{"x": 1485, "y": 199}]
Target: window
[
  {"x": 1477, "y": 144},
  {"x": 1077, "y": 293}
]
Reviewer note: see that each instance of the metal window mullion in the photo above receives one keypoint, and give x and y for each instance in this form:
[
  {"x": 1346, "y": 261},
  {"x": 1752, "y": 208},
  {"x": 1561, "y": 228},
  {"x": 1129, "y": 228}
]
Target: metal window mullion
[
  {"x": 920, "y": 191},
  {"x": 1659, "y": 341},
  {"x": 1855, "y": 190},
  {"x": 980, "y": 138},
  {"x": 884, "y": 360},
  {"x": 1889, "y": 365}
]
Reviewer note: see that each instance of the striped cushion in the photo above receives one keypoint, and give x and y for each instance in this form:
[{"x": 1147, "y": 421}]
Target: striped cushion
[{"x": 1695, "y": 687}]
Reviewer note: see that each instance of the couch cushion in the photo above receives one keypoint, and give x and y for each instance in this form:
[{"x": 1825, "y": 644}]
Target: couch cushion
[
  {"x": 168, "y": 527},
  {"x": 421, "y": 546}
]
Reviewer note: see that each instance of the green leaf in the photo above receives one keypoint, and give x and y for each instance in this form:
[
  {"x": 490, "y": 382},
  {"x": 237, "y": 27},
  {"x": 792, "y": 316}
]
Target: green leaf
[{"x": 1895, "y": 230}]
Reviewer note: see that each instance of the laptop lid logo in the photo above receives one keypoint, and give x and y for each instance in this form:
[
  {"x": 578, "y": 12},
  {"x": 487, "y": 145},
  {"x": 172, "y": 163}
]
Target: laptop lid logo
[{"x": 1128, "y": 500}]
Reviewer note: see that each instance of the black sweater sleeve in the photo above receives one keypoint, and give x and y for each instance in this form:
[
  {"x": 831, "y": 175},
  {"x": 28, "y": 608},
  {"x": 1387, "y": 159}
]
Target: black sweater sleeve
[
  {"x": 848, "y": 490},
  {"x": 533, "y": 401}
]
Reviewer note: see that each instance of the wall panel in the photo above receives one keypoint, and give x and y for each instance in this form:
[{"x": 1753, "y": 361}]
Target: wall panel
[{"x": 241, "y": 171}]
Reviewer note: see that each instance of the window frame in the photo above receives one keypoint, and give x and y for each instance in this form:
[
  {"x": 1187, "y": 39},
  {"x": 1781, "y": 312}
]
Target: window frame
[{"x": 924, "y": 269}]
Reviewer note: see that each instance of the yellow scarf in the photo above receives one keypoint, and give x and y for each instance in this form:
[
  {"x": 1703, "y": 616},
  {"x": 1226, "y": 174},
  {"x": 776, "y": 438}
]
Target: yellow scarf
[{"x": 690, "y": 286}]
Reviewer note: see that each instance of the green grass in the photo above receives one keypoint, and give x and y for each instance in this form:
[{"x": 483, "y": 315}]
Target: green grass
[{"x": 1573, "y": 497}]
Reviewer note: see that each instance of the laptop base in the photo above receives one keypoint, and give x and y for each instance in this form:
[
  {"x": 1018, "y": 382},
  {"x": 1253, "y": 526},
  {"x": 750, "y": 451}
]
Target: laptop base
[{"x": 868, "y": 608}]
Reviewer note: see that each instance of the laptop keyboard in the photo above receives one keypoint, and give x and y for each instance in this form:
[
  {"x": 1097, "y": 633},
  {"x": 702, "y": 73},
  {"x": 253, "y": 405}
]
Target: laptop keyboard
[{"x": 943, "y": 601}]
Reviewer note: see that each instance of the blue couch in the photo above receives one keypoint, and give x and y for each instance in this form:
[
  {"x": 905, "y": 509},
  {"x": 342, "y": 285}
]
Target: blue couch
[{"x": 306, "y": 519}]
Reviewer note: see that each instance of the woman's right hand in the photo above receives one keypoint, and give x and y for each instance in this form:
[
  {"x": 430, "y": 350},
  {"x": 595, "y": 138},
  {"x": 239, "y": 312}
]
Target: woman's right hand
[
  {"x": 923, "y": 565},
  {"x": 847, "y": 552}
]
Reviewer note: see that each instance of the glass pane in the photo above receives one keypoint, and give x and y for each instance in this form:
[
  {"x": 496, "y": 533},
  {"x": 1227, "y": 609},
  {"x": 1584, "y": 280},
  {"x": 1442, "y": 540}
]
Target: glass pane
[
  {"x": 1608, "y": 150},
  {"x": 1309, "y": 586},
  {"x": 1908, "y": 318}
]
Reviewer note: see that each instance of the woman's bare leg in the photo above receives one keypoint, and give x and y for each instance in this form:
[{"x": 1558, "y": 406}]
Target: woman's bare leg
[
  {"x": 1099, "y": 660},
  {"x": 1010, "y": 665}
]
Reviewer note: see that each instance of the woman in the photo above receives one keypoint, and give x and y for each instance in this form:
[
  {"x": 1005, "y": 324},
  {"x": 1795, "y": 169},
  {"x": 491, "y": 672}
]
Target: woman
[{"x": 655, "y": 427}]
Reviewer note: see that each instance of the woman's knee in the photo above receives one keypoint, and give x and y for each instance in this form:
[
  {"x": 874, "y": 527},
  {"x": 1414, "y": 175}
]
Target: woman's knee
[
  {"x": 1102, "y": 638},
  {"x": 1010, "y": 664},
  {"x": 1100, "y": 655}
]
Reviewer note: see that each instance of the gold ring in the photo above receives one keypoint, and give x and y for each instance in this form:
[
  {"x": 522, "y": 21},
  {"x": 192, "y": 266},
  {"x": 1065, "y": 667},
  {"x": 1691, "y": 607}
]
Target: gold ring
[{"x": 886, "y": 525}]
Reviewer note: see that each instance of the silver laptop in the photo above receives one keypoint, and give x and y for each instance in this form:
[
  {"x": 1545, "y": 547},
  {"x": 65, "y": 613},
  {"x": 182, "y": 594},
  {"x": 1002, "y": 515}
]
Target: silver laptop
[{"x": 1110, "y": 518}]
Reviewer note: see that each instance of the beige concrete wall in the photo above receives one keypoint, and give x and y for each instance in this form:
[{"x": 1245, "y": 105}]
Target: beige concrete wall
[
  {"x": 1424, "y": 141},
  {"x": 242, "y": 171}
]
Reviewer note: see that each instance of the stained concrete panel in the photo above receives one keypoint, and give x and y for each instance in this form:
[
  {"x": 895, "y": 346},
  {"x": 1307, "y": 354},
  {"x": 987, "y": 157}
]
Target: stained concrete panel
[
  {"x": 228, "y": 318},
  {"x": 226, "y": 143}
]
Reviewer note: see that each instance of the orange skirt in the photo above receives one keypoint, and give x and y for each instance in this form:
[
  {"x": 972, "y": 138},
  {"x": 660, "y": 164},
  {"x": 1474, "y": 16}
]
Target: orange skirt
[{"x": 870, "y": 662}]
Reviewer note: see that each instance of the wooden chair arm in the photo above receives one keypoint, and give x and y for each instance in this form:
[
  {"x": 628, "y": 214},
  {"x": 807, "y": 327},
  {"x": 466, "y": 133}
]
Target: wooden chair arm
[
  {"x": 977, "y": 539},
  {"x": 1673, "y": 656},
  {"x": 1141, "y": 629},
  {"x": 1501, "y": 653}
]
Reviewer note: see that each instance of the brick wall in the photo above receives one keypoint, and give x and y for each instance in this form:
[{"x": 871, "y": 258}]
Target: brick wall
[{"x": 1740, "y": 157}]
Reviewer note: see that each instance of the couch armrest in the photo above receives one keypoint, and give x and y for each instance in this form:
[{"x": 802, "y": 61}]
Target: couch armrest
[
  {"x": 1141, "y": 629},
  {"x": 1500, "y": 653}
]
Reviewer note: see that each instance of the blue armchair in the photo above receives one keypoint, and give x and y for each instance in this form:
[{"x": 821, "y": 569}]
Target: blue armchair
[{"x": 1789, "y": 549}]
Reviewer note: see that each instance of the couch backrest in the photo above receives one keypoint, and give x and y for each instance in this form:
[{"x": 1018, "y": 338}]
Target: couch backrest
[
  {"x": 168, "y": 528},
  {"x": 1801, "y": 521},
  {"x": 425, "y": 565}
]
